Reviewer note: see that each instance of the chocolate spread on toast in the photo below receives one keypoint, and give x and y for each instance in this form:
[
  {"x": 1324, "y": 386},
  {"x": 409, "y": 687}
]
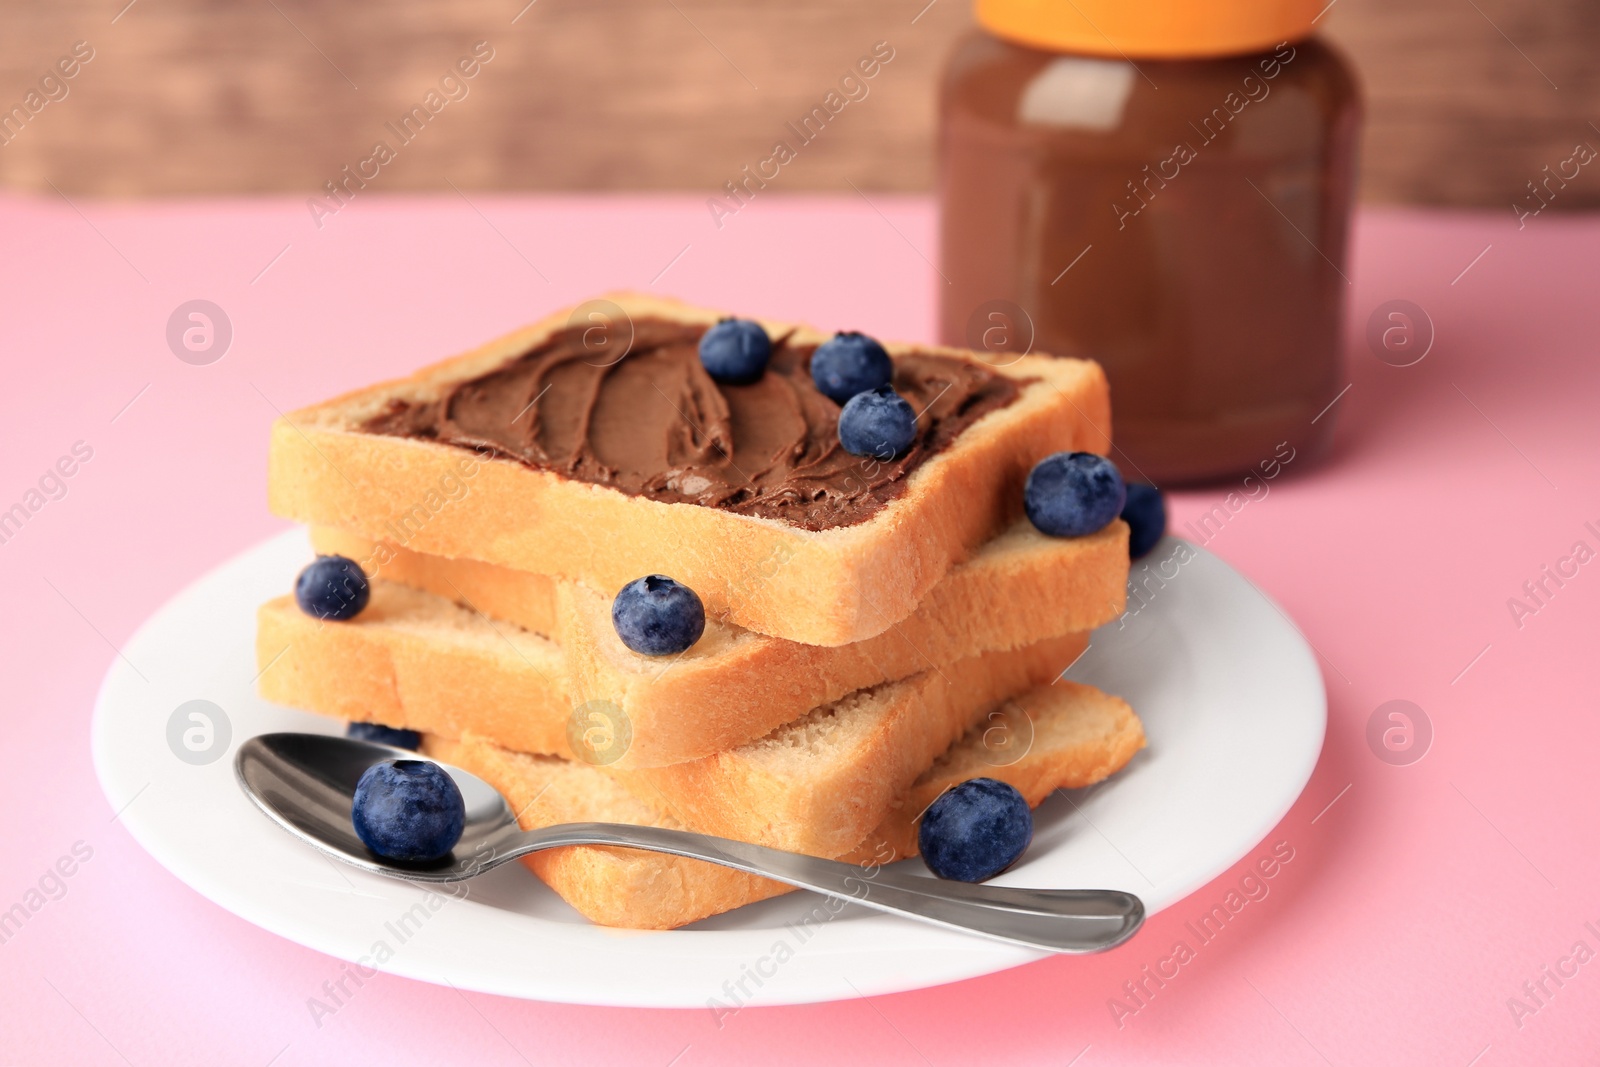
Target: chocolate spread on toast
[{"x": 654, "y": 424}]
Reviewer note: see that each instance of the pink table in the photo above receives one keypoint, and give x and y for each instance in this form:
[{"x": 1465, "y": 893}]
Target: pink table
[{"x": 1440, "y": 911}]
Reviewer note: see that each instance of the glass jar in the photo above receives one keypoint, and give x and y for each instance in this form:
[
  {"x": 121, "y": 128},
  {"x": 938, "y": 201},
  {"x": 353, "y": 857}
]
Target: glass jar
[{"x": 1182, "y": 219}]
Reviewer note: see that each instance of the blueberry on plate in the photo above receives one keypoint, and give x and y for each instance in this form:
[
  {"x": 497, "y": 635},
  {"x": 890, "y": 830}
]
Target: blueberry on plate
[
  {"x": 735, "y": 351},
  {"x": 975, "y": 830},
  {"x": 379, "y": 734},
  {"x": 1146, "y": 515},
  {"x": 851, "y": 363},
  {"x": 1071, "y": 494},
  {"x": 332, "y": 587},
  {"x": 656, "y": 616},
  {"x": 408, "y": 810},
  {"x": 878, "y": 423}
]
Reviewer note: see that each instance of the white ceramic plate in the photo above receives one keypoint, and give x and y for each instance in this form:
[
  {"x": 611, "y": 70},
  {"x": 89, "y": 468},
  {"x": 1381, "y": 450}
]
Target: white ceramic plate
[{"x": 1230, "y": 695}]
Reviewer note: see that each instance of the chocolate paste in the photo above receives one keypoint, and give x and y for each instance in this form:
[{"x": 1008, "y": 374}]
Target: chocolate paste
[{"x": 654, "y": 424}]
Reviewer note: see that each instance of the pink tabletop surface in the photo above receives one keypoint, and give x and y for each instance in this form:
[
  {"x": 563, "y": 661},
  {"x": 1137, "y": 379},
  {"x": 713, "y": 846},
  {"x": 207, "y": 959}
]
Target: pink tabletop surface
[{"x": 1440, "y": 911}]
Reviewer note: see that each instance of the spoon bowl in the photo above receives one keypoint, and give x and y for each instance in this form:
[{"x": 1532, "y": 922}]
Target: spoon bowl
[{"x": 306, "y": 783}]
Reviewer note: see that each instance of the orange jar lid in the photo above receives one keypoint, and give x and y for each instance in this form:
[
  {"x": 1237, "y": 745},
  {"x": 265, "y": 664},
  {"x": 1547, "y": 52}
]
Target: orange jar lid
[{"x": 1154, "y": 29}]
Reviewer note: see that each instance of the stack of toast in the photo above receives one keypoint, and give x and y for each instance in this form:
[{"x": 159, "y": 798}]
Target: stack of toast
[{"x": 876, "y": 631}]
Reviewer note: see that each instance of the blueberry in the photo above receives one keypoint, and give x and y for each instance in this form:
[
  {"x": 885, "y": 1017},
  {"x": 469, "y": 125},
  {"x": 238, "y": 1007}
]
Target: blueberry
[
  {"x": 851, "y": 363},
  {"x": 408, "y": 809},
  {"x": 975, "y": 830},
  {"x": 379, "y": 734},
  {"x": 735, "y": 351},
  {"x": 877, "y": 423},
  {"x": 332, "y": 587},
  {"x": 1071, "y": 494},
  {"x": 656, "y": 616},
  {"x": 1146, "y": 516}
]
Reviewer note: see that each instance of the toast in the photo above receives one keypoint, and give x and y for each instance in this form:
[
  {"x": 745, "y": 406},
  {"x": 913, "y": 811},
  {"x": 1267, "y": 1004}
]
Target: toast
[
  {"x": 610, "y": 886},
  {"x": 1079, "y": 736},
  {"x": 344, "y": 463},
  {"x": 416, "y": 661},
  {"x": 818, "y": 784},
  {"x": 1065, "y": 735},
  {"x": 1021, "y": 587},
  {"x": 821, "y": 783}
]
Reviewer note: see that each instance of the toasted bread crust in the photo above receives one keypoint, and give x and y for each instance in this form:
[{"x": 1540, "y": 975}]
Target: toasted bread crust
[
  {"x": 817, "y": 785},
  {"x": 1081, "y": 736},
  {"x": 829, "y": 587},
  {"x": 610, "y": 886},
  {"x": 416, "y": 661},
  {"x": 1022, "y": 587},
  {"x": 521, "y": 597},
  {"x": 783, "y": 791},
  {"x": 1075, "y": 736}
]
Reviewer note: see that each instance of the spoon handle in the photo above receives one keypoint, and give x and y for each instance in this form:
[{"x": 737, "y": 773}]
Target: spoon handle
[{"x": 1056, "y": 920}]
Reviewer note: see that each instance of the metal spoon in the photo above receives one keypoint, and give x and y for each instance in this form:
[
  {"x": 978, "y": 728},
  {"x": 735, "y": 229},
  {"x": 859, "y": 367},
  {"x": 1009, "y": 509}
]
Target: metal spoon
[{"x": 305, "y": 782}]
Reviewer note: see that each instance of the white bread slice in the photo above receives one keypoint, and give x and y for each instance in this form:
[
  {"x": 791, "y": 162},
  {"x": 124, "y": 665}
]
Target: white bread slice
[
  {"x": 821, "y": 783},
  {"x": 610, "y": 886},
  {"x": 529, "y": 600},
  {"x": 818, "y": 784},
  {"x": 827, "y": 587},
  {"x": 1065, "y": 735},
  {"x": 416, "y": 661},
  {"x": 1079, "y": 736},
  {"x": 1021, "y": 587}
]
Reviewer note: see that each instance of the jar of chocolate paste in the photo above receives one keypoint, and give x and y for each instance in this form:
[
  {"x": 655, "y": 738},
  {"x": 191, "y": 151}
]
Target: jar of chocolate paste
[{"x": 1164, "y": 186}]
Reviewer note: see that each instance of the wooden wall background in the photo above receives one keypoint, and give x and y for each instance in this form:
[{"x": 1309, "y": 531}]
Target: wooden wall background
[{"x": 1468, "y": 99}]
